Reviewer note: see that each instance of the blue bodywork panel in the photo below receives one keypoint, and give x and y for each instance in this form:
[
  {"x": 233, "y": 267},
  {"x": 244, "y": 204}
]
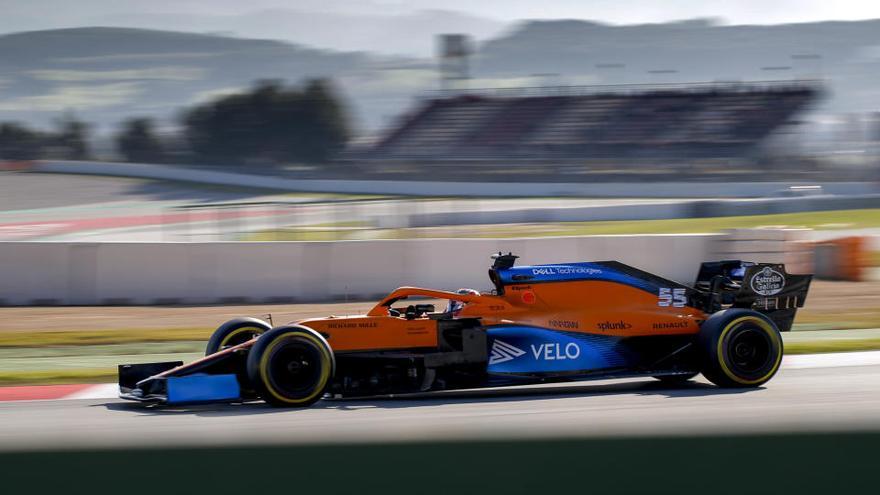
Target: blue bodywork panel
[
  {"x": 522, "y": 349},
  {"x": 571, "y": 271},
  {"x": 202, "y": 388}
]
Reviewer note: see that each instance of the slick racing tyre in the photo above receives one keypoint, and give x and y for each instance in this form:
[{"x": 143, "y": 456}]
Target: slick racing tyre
[
  {"x": 234, "y": 332},
  {"x": 291, "y": 366},
  {"x": 741, "y": 348}
]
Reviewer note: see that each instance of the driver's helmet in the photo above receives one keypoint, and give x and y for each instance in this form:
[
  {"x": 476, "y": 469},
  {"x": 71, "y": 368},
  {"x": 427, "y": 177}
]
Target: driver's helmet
[{"x": 455, "y": 306}]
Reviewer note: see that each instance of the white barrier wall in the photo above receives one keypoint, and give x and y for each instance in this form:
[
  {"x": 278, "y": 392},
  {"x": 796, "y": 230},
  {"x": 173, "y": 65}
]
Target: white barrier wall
[
  {"x": 200, "y": 273},
  {"x": 440, "y": 188},
  {"x": 788, "y": 246}
]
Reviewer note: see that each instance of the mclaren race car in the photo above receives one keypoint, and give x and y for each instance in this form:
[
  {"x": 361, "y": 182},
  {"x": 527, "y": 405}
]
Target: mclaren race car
[{"x": 541, "y": 323}]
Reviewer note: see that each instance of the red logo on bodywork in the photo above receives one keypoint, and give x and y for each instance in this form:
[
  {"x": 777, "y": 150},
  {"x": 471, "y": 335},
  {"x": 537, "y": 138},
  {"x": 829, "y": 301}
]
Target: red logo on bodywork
[{"x": 528, "y": 297}]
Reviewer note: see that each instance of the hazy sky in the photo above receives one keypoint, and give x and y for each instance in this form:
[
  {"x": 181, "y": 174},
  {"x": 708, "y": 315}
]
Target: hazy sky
[
  {"x": 634, "y": 11},
  {"x": 613, "y": 11}
]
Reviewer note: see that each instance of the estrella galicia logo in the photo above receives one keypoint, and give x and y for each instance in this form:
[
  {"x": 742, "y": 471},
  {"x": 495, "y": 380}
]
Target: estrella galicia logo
[
  {"x": 503, "y": 352},
  {"x": 767, "y": 282}
]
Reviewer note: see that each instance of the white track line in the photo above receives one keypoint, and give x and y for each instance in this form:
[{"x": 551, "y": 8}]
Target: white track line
[
  {"x": 831, "y": 360},
  {"x": 102, "y": 391}
]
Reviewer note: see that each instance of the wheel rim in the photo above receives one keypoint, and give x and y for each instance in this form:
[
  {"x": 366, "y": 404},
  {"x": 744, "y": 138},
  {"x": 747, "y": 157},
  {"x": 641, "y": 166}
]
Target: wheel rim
[
  {"x": 295, "y": 368},
  {"x": 749, "y": 351}
]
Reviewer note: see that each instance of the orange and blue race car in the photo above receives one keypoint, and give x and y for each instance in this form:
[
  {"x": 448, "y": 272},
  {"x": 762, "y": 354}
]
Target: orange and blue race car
[{"x": 540, "y": 323}]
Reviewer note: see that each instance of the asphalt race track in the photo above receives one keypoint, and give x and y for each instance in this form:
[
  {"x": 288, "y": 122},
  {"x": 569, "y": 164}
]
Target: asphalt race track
[{"x": 818, "y": 399}]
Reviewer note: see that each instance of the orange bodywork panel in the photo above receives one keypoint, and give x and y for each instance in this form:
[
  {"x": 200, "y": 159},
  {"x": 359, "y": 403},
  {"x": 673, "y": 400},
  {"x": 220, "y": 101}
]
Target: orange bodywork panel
[
  {"x": 588, "y": 306},
  {"x": 367, "y": 333}
]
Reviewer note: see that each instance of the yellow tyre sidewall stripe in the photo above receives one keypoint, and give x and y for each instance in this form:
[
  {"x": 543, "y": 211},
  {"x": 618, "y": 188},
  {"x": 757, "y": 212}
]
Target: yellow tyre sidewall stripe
[
  {"x": 325, "y": 369},
  {"x": 238, "y": 331},
  {"x": 764, "y": 326}
]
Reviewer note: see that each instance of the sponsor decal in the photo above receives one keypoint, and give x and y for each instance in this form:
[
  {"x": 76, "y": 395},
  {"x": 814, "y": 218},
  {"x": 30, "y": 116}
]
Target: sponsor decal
[
  {"x": 664, "y": 325},
  {"x": 565, "y": 270},
  {"x": 369, "y": 324},
  {"x": 556, "y": 352},
  {"x": 613, "y": 325},
  {"x": 767, "y": 282},
  {"x": 676, "y": 298},
  {"x": 563, "y": 323},
  {"x": 528, "y": 297},
  {"x": 550, "y": 351},
  {"x": 503, "y": 352}
]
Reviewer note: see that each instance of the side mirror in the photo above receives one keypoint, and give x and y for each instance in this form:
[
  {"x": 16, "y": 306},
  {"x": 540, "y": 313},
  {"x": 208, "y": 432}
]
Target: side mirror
[
  {"x": 413, "y": 312},
  {"x": 424, "y": 308}
]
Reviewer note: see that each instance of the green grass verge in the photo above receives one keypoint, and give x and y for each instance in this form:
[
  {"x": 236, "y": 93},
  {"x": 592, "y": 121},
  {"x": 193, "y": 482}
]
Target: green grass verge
[
  {"x": 824, "y": 346},
  {"x": 97, "y": 337},
  {"x": 88, "y": 351},
  {"x": 329, "y": 231},
  {"x": 56, "y": 377},
  {"x": 820, "y": 220}
]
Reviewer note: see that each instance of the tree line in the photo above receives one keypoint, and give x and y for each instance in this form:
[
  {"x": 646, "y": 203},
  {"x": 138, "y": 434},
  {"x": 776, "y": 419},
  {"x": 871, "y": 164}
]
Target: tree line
[
  {"x": 69, "y": 140},
  {"x": 269, "y": 124}
]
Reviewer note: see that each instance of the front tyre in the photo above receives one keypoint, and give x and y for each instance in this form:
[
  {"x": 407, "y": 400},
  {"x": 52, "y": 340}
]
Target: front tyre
[
  {"x": 741, "y": 348},
  {"x": 234, "y": 332},
  {"x": 291, "y": 366}
]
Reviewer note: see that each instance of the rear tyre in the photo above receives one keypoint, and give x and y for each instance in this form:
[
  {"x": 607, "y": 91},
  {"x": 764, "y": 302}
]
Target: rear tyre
[
  {"x": 234, "y": 332},
  {"x": 291, "y": 366},
  {"x": 741, "y": 348}
]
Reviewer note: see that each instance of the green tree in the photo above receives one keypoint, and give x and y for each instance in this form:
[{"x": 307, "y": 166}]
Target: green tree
[
  {"x": 72, "y": 138},
  {"x": 17, "y": 142},
  {"x": 271, "y": 124},
  {"x": 327, "y": 130},
  {"x": 138, "y": 142}
]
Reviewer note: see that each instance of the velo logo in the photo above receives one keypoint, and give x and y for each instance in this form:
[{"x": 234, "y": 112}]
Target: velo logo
[{"x": 503, "y": 352}]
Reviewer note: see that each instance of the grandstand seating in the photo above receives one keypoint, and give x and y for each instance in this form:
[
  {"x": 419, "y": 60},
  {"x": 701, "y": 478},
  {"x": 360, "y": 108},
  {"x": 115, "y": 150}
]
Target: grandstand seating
[{"x": 687, "y": 122}]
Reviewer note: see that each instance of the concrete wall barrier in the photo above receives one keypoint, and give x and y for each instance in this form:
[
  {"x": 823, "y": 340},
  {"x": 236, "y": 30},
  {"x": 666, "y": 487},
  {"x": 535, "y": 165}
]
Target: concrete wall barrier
[
  {"x": 642, "y": 211},
  {"x": 788, "y": 246},
  {"x": 440, "y": 188},
  {"x": 203, "y": 273}
]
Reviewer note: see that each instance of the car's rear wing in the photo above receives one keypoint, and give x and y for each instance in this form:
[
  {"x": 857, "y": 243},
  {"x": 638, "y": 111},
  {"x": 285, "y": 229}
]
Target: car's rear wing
[{"x": 763, "y": 287}]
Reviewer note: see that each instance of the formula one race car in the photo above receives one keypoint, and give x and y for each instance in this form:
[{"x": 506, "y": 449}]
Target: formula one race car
[{"x": 542, "y": 323}]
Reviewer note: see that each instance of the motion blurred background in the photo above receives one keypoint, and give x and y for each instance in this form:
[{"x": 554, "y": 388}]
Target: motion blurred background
[{"x": 167, "y": 165}]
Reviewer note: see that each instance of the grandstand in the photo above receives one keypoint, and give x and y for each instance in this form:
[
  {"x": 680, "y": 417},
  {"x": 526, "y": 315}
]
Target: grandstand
[{"x": 589, "y": 125}]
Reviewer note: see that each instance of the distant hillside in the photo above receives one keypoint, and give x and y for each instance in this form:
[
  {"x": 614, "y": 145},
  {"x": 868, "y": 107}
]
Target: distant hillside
[
  {"x": 108, "y": 74},
  {"x": 346, "y": 25},
  {"x": 105, "y": 75}
]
